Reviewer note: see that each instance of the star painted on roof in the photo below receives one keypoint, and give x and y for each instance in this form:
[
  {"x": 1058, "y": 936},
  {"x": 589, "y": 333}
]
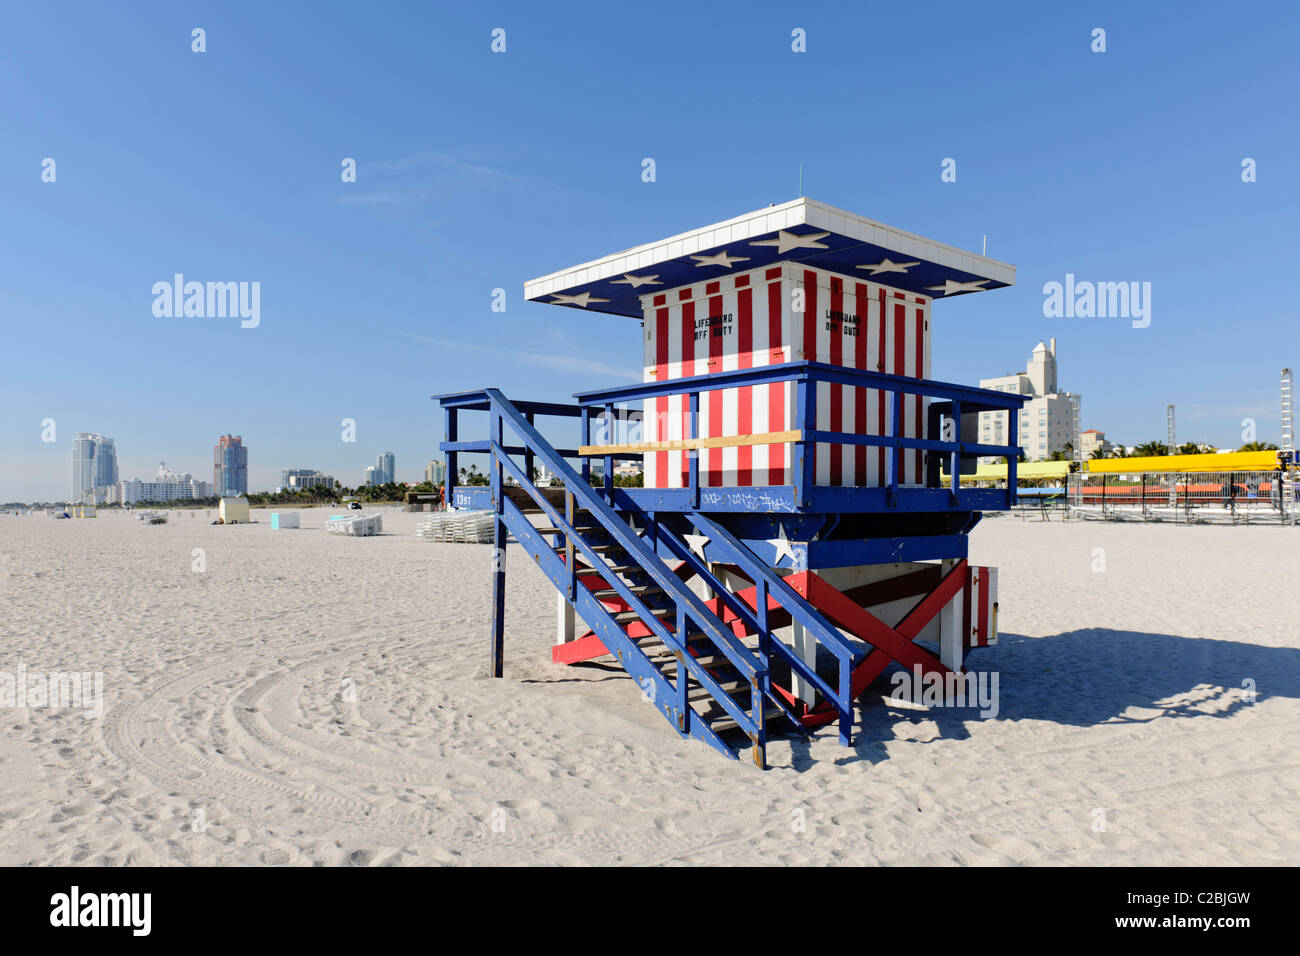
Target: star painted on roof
[
  {"x": 697, "y": 543},
  {"x": 889, "y": 265},
  {"x": 952, "y": 286},
  {"x": 782, "y": 545},
  {"x": 785, "y": 241},
  {"x": 718, "y": 259},
  {"x": 582, "y": 299},
  {"x": 636, "y": 281}
]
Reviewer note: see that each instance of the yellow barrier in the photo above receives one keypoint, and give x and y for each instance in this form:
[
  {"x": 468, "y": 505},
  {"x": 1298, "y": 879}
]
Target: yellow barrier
[
  {"x": 1156, "y": 464},
  {"x": 1229, "y": 461},
  {"x": 1025, "y": 471}
]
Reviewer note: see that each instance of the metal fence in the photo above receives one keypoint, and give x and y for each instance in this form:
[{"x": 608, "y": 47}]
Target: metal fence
[{"x": 1227, "y": 497}]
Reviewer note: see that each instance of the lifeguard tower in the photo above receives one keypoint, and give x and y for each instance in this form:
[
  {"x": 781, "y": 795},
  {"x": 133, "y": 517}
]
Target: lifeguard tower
[{"x": 794, "y": 535}]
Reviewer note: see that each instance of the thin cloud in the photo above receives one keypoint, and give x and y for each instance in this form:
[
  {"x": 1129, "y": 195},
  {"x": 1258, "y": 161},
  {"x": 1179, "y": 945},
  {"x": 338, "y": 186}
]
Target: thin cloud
[
  {"x": 566, "y": 363},
  {"x": 448, "y": 161}
]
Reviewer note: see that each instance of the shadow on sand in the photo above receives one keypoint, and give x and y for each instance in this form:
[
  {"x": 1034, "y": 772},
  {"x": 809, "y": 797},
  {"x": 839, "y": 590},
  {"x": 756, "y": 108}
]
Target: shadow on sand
[{"x": 1088, "y": 677}]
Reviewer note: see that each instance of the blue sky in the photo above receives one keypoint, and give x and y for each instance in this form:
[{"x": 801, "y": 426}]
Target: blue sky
[{"x": 479, "y": 170}]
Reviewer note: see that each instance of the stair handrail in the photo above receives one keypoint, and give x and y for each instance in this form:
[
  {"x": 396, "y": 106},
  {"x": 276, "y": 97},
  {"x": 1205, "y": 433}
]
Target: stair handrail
[
  {"x": 749, "y": 617},
  {"x": 792, "y": 601},
  {"x": 589, "y": 553},
  {"x": 740, "y": 656}
]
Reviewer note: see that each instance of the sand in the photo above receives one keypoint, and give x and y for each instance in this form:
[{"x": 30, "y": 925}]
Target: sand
[{"x": 310, "y": 699}]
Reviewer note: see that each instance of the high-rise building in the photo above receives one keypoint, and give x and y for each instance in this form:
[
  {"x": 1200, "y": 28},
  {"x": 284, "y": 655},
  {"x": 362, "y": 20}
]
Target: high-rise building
[
  {"x": 1046, "y": 420},
  {"x": 94, "y": 463},
  {"x": 229, "y": 466},
  {"x": 385, "y": 468},
  {"x": 371, "y": 476},
  {"x": 435, "y": 471}
]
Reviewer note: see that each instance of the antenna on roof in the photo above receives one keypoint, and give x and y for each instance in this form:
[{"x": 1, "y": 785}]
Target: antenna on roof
[
  {"x": 800, "y": 178},
  {"x": 985, "y": 250}
]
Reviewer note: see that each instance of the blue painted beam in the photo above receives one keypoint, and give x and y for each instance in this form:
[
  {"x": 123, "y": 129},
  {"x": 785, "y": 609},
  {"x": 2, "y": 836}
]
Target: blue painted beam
[
  {"x": 974, "y": 398},
  {"x": 851, "y": 553},
  {"x": 778, "y": 502}
]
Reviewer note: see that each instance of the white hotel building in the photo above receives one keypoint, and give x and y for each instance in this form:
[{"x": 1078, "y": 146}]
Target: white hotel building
[
  {"x": 1047, "y": 420},
  {"x": 167, "y": 485}
]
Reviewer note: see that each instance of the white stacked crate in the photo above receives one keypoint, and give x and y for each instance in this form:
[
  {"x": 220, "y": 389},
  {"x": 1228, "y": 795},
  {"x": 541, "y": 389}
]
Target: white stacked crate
[
  {"x": 362, "y": 526},
  {"x": 459, "y": 527}
]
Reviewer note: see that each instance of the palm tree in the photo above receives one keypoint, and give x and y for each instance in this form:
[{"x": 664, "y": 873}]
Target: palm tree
[
  {"x": 1190, "y": 448},
  {"x": 1150, "y": 449},
  {"x": 1258, "y": 446},
  {"x": 1100, "y": 453}
]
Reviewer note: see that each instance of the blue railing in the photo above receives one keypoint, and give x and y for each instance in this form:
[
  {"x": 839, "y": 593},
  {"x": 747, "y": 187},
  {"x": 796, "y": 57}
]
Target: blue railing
[
  {"x": 954, "y": 402},
  {"x": 948, "y": 401}
]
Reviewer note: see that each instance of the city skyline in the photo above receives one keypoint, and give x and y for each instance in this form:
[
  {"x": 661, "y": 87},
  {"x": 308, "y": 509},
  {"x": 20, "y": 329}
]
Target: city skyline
[{"x": 95, "y": 467}]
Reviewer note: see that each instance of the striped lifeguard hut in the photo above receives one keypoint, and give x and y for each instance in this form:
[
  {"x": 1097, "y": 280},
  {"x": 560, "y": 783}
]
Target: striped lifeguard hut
[{"x": 800, "y": 524}]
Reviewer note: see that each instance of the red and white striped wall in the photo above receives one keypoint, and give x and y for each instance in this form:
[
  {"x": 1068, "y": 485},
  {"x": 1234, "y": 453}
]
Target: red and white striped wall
[
  {"x": 970, "y": 619},
  {"x": 754, "y": 319}
]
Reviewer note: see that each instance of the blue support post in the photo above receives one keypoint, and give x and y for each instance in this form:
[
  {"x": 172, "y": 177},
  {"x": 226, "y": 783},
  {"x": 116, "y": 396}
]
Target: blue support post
[
  {"x": 1013, "y": 439},
  {"x": 683, "y": 702},
  {"x": 693, "y": 453},
  {"x": 805, "y": 451},
  {"x": 570, "y": 561},
  {"x": 896, "y": 457},
  {"x": 499, "y": 537},
  {"x": 585, "y": 418},
  {"x": 846, "y": 715},
  {"x": 954, "y": 460},
  {"x": 528, "y": 452},
  {"x": 611, "y": 428},
  {"x": 763, "y": 689},
  {"x": 449, "y": 434}
]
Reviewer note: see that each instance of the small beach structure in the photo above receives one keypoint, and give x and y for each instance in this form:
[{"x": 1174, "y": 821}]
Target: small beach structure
[
  {"x": 233, "y": 510},
  {"x": 283, "y": 519},
  {"x": 793, "y": 537}
]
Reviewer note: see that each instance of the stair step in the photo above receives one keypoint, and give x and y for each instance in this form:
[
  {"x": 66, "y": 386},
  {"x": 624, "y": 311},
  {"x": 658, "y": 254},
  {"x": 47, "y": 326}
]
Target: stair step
[
  {"x": 600, "y": 546},
  {"x": 616, "y": 569},
  {"x": 695, "y": 638},
  {"x": 627, "y": 617},
  {"x": 728, "y": 723},
  {"x": 634, "y": 588},
  {"x": 709, "y": 659},
  {"x": 728, "y": 686}
]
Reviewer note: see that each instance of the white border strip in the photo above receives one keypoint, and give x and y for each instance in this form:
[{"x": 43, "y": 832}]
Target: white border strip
[{"x": 762, "y": 222}]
